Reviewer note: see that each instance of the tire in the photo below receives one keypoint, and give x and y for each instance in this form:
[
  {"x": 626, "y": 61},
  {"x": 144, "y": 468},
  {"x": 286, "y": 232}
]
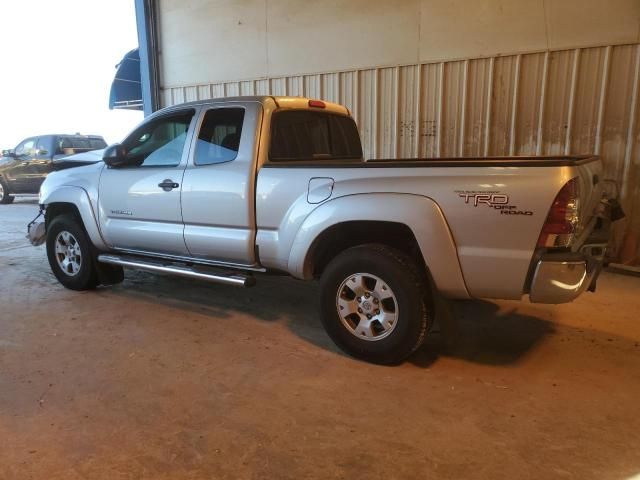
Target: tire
[
  {"x": 392, "y": 321},
  {"x": 5, "y": 198},
  {"x": 79, "y": 272}
]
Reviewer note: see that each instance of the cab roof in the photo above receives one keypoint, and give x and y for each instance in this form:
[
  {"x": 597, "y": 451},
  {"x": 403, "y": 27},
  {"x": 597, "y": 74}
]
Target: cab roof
[{"x": 285, "y": 102}]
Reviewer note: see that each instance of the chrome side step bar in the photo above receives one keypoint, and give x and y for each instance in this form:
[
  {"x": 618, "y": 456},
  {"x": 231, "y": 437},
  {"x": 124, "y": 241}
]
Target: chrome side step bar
[{"x": 237, "y": 279}]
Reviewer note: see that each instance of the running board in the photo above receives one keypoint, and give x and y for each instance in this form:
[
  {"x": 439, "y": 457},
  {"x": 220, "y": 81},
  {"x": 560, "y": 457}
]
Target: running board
[{"x": 157, "y": 266}]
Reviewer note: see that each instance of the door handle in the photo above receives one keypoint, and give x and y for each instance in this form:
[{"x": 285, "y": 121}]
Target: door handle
[{"x": 168, "y": 185}]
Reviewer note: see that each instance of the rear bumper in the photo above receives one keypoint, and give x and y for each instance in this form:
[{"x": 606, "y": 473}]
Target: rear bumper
[{"x": 562, "y": 277}]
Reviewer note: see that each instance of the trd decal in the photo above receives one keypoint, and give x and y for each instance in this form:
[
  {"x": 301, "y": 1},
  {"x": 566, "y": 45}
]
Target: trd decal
[{"x": 496, "y": 200}]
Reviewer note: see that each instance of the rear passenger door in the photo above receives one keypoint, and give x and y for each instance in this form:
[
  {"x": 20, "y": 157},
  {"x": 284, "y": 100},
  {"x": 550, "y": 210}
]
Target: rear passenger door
[{"x": 218, "y": 185}]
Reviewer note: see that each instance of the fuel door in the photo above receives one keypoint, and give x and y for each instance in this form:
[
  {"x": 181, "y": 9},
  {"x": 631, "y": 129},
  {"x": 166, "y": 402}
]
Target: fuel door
[{"x": 320, "y": 189}]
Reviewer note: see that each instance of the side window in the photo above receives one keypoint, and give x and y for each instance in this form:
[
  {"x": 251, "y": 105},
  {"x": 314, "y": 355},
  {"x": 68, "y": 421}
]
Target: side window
[
  {"x": 42, "y": 147},
  {"x": 160, "y": 142},
  {"x": 308, "y": 135},
  {"x": 26, "y": 148},
  {"x": 219, "y": 137}
]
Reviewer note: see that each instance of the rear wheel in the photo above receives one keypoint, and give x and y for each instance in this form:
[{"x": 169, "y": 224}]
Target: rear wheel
[
  {"x": 4, "y": 193},
  {"x": 374, "y": 302},
  {"x": 70, "y": 254}
]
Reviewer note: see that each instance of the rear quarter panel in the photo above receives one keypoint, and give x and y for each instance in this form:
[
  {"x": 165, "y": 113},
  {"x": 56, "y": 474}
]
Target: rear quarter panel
[{"x": 494, "y": 250}]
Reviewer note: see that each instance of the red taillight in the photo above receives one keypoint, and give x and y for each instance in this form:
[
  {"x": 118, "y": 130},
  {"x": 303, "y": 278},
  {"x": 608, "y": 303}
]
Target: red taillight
[
  {"x": 560, "y": 227},
  {"x": 317, "y": 103}
]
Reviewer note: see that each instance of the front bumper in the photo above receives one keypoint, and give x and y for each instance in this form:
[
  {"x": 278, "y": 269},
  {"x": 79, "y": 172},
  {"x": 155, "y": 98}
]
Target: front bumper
[{"x": 562, "y": 277}]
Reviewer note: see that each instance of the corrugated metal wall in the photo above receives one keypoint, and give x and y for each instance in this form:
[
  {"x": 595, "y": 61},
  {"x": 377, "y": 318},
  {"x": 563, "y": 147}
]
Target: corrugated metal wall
[{"x": 547, "y": 103}]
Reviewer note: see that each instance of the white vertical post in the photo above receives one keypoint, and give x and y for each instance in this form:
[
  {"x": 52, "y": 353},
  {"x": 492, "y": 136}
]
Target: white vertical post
[
  {"x": 543, "y": 97},
  {"x": 572, "y": 101},
  {"x": 463, "y": 110},
  {"x": 604, "y": 85},
  {"x": 440, "y": 107},
  {"x": 417, "y": 126},
  {"x": 514, "y": 106},
  {"x": 487, "y": 118}
]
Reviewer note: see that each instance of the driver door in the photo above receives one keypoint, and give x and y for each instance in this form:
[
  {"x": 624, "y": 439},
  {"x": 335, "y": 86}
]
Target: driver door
[
  {"x": 140, "y": 202},
  {"x": 19, "y": 175}
]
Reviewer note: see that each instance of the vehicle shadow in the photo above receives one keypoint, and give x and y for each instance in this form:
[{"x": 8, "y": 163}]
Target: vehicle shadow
[{"x": 477, "y": 331}]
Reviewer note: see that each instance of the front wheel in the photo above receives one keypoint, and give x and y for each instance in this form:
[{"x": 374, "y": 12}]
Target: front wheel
[
  {"x": 375, "y": 303},
  {"x": 69, "y": 254},
  {"x": 4, "y": 193}
]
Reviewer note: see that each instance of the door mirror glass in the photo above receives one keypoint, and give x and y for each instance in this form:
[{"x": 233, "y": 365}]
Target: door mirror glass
[{"x": 115, "y": 155}]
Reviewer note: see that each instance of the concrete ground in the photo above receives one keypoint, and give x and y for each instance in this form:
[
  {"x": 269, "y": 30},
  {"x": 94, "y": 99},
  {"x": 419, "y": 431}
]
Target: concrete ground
[{"x": 164, "y": 378}]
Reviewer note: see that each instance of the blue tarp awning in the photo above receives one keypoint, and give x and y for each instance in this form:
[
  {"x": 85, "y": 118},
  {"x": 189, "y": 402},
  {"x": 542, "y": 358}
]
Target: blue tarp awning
[{"x": 126, "y": 89}]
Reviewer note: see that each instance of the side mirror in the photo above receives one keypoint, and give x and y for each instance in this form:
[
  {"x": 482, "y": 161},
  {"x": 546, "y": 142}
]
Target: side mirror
[
  {"x": 115, "y": 156},
  {"x": 9, "y": 153}
]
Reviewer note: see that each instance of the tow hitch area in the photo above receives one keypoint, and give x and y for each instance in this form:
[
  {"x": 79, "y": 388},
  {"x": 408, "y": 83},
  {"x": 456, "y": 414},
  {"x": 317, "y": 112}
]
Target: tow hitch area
[{"x": 36, "y": 232}]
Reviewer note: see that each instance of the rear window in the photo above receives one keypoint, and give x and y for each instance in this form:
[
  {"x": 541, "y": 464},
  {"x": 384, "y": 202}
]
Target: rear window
[
  {"x": 70, "y": 145},
  {"x": 308, "y": 135}
]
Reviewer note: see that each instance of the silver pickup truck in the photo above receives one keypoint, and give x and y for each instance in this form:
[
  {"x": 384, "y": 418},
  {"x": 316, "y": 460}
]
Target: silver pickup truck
[{"x": 222, "y": 189}]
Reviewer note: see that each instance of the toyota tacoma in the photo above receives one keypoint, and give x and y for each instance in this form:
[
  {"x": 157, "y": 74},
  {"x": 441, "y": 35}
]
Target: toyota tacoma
[{"x": 221, "y": 190}]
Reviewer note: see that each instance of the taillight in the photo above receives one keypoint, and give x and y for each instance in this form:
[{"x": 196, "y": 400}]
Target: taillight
[{"x": 560, "y": 227}]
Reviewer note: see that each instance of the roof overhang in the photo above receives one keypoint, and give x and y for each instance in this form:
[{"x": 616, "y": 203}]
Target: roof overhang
[{"x": 126, "y": 89}]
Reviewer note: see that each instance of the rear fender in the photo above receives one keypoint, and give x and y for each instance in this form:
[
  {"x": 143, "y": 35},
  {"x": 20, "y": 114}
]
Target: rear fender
[{"x": 421, "y": 214}]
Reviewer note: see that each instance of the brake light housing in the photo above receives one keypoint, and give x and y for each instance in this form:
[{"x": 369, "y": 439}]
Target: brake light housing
[
  {"x": 560, "y": 227},
  {"x": 317, "y": 104}
]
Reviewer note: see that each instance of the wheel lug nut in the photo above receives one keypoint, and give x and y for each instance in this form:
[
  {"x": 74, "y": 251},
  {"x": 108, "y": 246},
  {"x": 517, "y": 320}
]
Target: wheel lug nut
[
  {"x": 359, "y": 310},
  {"x": 377, "y": 312},
  {"x": 368, "y": 316},
  {"x": 375, "y": 300},
  {"x": 367, "y": 295}
]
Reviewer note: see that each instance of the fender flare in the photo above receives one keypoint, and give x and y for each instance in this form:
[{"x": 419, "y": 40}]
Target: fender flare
[
  {"x": 79, "y": 197},
  {"x": 420, "y": 214}
]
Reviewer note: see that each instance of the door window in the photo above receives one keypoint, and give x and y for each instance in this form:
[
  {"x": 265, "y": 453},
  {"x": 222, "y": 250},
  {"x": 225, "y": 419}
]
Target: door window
[
  {"x": 26, "y": 149},
  {"x": 160, "y": 142},
  {"x": 42, "y": 147},
  {"x": 219, "y": 137}
]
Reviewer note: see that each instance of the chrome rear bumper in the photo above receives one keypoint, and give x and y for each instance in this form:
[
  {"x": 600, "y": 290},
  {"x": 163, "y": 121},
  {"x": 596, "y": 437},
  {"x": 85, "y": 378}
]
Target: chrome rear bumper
[{"x": 562, "y": 277}]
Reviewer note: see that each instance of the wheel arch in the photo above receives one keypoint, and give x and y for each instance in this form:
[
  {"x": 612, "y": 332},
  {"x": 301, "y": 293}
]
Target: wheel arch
[
  {"x": 411, "y": 223},
  {"x": 75, "y": 201}
]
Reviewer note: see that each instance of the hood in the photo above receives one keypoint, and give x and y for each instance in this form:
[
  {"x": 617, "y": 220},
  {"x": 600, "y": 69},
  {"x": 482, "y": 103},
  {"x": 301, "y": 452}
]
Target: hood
[{"x": 84, "y": 158}]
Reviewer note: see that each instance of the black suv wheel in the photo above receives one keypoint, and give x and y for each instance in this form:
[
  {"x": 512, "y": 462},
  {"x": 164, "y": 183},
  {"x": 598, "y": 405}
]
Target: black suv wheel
[{"x": 4, "y": 193}]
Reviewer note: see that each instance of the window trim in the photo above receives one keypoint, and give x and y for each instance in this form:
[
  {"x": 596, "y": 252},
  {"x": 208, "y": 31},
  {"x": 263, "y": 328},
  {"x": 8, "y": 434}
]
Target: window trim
[
  {"x": 275, "y": 114},
  {"x": 198, "y": 127}
]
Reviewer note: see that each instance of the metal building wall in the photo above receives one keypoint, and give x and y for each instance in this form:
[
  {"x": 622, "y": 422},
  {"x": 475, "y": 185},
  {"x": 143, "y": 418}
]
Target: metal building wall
[{"x": 575, "y": 101}]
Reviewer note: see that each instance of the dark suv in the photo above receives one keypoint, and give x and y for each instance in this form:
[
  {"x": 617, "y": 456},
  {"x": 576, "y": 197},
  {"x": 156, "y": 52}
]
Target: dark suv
[{"x": 23, "y": 169}]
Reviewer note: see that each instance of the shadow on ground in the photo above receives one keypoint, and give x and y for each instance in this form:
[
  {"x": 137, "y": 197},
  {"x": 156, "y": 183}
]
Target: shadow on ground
[{"x": 476, "y": 331}]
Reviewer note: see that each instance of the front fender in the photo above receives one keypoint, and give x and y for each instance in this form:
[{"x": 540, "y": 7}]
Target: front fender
[
  {"x": 80, "y": 199},
  {"x": 421, "y": 214}
]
